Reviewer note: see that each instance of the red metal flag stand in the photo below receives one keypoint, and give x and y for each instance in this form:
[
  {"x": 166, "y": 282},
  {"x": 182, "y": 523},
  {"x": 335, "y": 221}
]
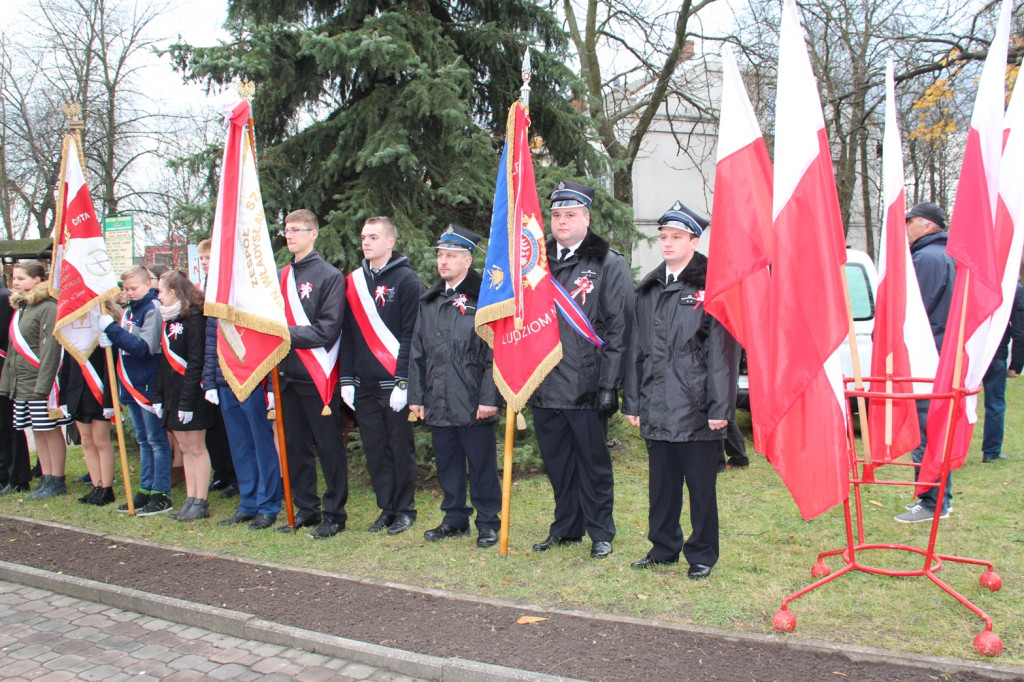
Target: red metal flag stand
[{"x": 862, "y": 470}]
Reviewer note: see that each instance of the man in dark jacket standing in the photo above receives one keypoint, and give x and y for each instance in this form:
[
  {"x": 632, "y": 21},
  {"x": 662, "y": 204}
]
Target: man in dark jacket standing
[
  {"x": 314, "y": 294},
  {"x": 572, "y": 405},
  {"x": 681, "y": 392},
  {"x": 936, "y": 272},
  {"x": 451, "y": 387},
  {"x": 994, "y": 380},
  {"x": 383, "y": 297}
]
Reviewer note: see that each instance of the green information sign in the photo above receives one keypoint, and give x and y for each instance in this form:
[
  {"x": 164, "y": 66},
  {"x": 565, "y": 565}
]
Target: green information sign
[{"x": 119, "y": 234}]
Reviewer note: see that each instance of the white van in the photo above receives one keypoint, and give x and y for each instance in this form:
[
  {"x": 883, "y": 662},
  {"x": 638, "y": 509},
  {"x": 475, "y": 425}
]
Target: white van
[{"x": 862, "y": 279}]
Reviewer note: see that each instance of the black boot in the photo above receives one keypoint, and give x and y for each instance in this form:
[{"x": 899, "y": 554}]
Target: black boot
[
  {"x": 103, "y": 497},
  {"x": 88, "y": 497}
]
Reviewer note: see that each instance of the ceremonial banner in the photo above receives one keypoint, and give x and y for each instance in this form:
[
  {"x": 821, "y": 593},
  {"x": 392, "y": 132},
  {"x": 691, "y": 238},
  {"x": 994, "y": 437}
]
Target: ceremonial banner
[
  {"x": 981, "y": 245},
  {"x": 738, "y": 282},
  {"x": 903, "y": 344},
  {"x": 81, "y": 275},
  {"x": 242, "y": 288},
  {"x": 516, "y": 313},
  {"x": 805, "y": 419}
]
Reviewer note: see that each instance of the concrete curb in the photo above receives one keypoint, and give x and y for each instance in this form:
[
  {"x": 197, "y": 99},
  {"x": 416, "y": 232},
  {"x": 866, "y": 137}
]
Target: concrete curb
[
  {"x": 853, "y": 652},
  {"x": 249, "y": 627}
]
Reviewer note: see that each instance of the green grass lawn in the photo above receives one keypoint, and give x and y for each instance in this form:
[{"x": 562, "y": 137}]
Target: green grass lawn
[{"x": 767, "y": 552}]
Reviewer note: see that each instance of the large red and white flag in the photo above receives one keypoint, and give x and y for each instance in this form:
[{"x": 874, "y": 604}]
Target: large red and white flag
[
  {"x": 903, "y": 345},
  {"x": 242, "y": 288},
  {"x": 982, "y": 255},
  {"x": 738, "y": 281},
  {"x": 81, "y": 274},
  {"x": 806, "y": 422}
]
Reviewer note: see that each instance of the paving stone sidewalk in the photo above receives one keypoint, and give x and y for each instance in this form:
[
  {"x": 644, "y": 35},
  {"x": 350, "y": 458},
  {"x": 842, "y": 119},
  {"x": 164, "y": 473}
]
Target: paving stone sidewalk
[{"x": 46, "y": 636}]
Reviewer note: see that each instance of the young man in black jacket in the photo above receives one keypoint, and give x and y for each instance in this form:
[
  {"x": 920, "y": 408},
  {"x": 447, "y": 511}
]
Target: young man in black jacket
[
  {"x": 314, "y": 293},
  {"x": 383, "y": 301},
  {"x": 451, "y": 387}
]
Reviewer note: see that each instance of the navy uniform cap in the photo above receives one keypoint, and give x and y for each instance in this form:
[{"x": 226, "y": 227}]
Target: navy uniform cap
[
  {"x": 569, "y": 194},
  {"x": 683, "y": 218},
  {"x": 457, "y": 237}
]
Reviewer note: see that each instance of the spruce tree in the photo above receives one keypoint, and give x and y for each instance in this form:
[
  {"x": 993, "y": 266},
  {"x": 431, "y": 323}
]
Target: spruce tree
[{"x": 397, "y": 108}]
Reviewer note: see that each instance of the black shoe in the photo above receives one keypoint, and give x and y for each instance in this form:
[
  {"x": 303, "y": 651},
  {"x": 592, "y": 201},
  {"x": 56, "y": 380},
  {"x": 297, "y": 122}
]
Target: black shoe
[
  {"x": 230, "y": 490},
  {"x": 102, "y": 497},
  {"x": 488, "y": 537},
  {"x": 650, "y": 562},
  {"x": 383, "y": 521},
  {"x": 84, "y": 478},
  {"x": 445, "y": 531},
  {"x": 12, "y": 488},
  {"x": 402, "y": 523},
  {"x": 238, "y": 517},
  {"x": 138, "y": 502},
  {"x": 261, "y": 521},
  {"x": 87, "y": 498},
  {"x": 698, "y": 571},
  {"x": 218, "y": 484},
  {"x": 555, "y": 541},
  {"x": 737, "y": 463},
  {"x": 600, "y": 549},
  {"x": 327, "y": 529},
  {"x": 300, "y": 522}
]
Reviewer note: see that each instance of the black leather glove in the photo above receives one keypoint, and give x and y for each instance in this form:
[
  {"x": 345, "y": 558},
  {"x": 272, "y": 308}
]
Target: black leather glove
[{"x": 607, "y": 402}]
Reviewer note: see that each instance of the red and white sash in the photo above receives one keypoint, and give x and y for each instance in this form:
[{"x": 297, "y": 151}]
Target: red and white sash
[
  {"x": 381, "y": 341},
  {"x": 177, "y": 363},
  {"x": 143, "y": 402},
  {"x": 25, "y": 351},
  {"x": 322, "y": 364}
]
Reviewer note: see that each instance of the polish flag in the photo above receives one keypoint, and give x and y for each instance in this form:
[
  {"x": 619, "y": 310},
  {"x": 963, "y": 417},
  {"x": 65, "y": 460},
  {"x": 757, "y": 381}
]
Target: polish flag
[
  {"x": 806, "y": 419},
  {"x": 981, "y": 246},
  {"x": 242, "y": 288},
  {"x": 738, "y": 282},
  {"x": 81, "y": 275},
  {"x": 903, "y": 344}
]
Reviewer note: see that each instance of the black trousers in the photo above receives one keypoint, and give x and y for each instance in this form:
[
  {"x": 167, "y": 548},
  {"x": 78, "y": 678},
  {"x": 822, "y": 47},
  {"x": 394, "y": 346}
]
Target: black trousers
[
  {"x": 219, "y": 447},
  {"x": 15, "y": 467},
  {"x": 390, "y": 450},
  {"x": 575, "y": 454},
  {"x": 309, "y": 435},
  {"x": 453, "y": 449},
  {"x": 735, "y": 446},
  {"x": 671, "y": 465}
]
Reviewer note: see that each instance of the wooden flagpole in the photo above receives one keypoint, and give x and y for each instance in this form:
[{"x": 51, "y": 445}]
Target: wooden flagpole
[
  {"x": 858, "y": 380},
  {"x": 73, "y": 111},
  {"x": 247, "y": 89}
]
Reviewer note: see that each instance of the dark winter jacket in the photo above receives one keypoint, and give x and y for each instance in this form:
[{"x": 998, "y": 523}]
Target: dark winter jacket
[
  {"x": 935, "y": 274},
  {"x": 21, "y": 380},
  {"x": 325, "y": 309},
  {"x": 1014, "y": 332},
  {"x": 683, "y": 363},
  {"x": 212, "y": 375},
  {"x": 186, "y": 337},
  {"x": 138, "y": 344},
  {"x": 584, "y": 368},
  {"x": 6, "y": 313},
  {"x": 396, "y": 291},
  {"x": 450, "y": 365}
]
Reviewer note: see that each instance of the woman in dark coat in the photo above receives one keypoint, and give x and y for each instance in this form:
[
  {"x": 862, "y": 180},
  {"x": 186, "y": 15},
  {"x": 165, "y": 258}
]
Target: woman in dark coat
[{"x": 177, "y": 392}]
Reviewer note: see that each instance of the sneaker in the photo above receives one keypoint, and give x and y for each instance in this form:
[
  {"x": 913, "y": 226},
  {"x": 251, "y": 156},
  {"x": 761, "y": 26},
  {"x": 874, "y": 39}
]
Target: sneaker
[
  {"x": 140, "y": 500},
  {"x": 919, "y": 514},
  {"x": 87, "y": 498},
  {"x": 910, "y": 505},
  {"x": 158, "y": 504},
  {"x": 102, "y": 497}
]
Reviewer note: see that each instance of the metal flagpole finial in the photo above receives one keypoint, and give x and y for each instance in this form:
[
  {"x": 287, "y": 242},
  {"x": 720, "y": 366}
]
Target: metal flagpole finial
[
  {"x": 73, "y": 113},
  {"x": 246, "y": 89},
  {"x": 524, "y": 91}
]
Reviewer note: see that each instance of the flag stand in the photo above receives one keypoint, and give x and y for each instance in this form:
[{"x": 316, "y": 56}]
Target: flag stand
[{"x": 861, "y": 472}]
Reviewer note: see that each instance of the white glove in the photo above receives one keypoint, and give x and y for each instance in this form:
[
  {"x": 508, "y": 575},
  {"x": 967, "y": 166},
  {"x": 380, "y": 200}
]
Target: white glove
[
  {"x": 159, "y": 409},
  {"x": 270, "y": 400},
  {"x": 399, "y": 398},
  {"x": 105, "y": 321},
  {"x": 64, "y": 410},
  {"x": 184, "y": 417},
  {"x": 104, "y": 341},
  {"x": 348, "y": 394},
  {"x": 108, "y": 412},
  {"x": 212, "y": 396}
]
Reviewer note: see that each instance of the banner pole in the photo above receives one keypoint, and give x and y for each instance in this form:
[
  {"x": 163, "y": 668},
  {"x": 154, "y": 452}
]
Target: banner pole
[
  {"x": 119, "y": 424},
  {"x": 506, "y": 482},
  {"x": 282, "y": 449}
]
